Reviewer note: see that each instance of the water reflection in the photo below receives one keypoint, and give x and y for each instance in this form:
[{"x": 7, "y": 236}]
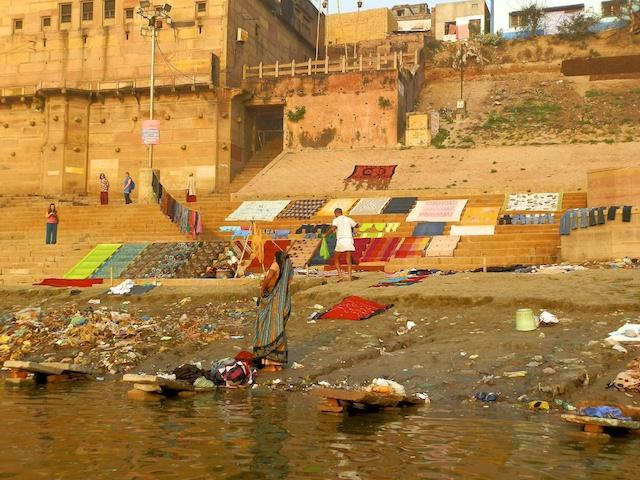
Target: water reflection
[{"x": 93, "y": 431}]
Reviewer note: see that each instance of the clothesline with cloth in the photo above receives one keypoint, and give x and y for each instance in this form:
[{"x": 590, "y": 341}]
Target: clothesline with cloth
[
  {"x": 589, "y": 217},
  {"x": 188, "y": 221}
]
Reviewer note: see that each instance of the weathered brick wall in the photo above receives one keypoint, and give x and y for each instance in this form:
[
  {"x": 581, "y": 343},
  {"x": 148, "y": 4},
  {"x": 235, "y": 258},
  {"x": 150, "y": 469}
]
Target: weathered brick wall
[
  {"x": 341, "y": 110},
  {"x": 357, "y": 27}
]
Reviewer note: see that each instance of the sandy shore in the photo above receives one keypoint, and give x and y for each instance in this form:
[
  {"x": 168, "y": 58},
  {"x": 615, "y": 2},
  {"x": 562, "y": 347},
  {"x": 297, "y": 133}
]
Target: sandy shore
[{"x": 463, "y": 342}]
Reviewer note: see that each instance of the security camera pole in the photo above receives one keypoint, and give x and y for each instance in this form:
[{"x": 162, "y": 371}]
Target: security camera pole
[{"x": 154, "y": 14}]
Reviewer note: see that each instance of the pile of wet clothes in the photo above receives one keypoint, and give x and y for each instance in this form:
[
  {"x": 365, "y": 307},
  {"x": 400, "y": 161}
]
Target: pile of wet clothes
[{"x": 228, "y": 373}]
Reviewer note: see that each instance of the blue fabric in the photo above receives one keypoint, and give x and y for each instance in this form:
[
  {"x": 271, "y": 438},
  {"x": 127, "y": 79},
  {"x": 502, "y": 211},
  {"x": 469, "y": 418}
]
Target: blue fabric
[
  {"x": 565, "y": 224},
  {"x": 317, "y": 258},
  {"x": 51, "y": 234},
  {"x": 604, "y": 411},
  {"x": 574, "y": 219},
  {"x": 428, "y": 229},
  {"x": 584, "y": 218},
  {"x": 127, "y": 189},
  {"x": 400, "y": 205}
]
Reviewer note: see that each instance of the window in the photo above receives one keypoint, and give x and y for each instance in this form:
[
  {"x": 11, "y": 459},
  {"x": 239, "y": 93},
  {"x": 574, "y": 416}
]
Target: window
[
  {"x": 17, "y": 24},
  {"x": 201, "y": 7},
  {"x": 475, "y": 27},
  {"x": 450, "y": 28},
  {"x": 611, "y": 8},
  {"x": 109, "y": 9},
  {"x": 87, "y": 11},
  {"x": 65, "y": 13},
  {"x": 128, "y": 13},
  {"x": 475, "y": 6},
  {"x": 516, "y": 20},
  {"x": 46, "y": 22}
]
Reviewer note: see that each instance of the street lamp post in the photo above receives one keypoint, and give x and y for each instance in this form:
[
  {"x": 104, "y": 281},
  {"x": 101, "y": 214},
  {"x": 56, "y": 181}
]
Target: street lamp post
[{"x": 154, "y": 14}]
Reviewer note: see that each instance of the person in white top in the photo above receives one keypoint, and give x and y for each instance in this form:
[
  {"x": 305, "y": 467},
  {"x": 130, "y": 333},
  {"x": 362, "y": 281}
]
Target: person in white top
[{"x": 343, "y": 226}]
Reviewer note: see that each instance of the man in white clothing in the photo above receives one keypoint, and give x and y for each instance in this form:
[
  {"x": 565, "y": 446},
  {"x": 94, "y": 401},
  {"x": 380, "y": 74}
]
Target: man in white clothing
[{"x": 343, "y": 226}]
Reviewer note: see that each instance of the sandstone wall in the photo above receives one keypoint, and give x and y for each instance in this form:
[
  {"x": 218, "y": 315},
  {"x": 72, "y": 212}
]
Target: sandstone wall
[{"x": 356, "y": 27}]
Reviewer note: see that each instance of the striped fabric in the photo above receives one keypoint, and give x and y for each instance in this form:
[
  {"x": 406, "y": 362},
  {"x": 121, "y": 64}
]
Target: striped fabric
[
  {"x": 380, "y": 250},
  {"x": 270, "y": 340},
  {"x": 412, "y": 247}
]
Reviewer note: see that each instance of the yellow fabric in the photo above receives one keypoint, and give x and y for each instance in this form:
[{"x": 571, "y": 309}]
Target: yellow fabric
[
  {"x": 344, "y": 203},
  {"x": 480, "y": 216},
  {"x": 257, "y": 243}
]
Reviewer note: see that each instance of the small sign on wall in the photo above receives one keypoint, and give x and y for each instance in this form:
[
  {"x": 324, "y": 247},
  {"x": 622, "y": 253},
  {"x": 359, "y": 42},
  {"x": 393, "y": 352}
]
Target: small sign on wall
[{"x": 151, "y": 132}]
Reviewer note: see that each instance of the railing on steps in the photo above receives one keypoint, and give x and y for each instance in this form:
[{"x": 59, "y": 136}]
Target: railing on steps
[{"x": 188, "y": 220}]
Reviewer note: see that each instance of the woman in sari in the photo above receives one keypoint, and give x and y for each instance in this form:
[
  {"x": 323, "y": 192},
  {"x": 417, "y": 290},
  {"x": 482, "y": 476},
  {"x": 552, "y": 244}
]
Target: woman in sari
[{"x": 274, "y": 308}]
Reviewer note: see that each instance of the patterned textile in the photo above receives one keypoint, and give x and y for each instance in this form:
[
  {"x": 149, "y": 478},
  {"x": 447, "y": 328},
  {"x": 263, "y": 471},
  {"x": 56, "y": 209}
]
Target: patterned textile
[
  {"x": 369, "y": 206},
  {"x": 400, "y": 205},
  {"x": 259, "y": 210},
  {"x": 437, "y": 211},
  {"x": 527, "y": 219},
  {"x": 270, "y": 340},
  {"x": 377, "y": 230},
  {"x": 344, "y": 203},
  {"x": 480, "y": 216},
  {"x": 370, "y": 177},
  {"x": 402, "y": 280},
  {"x": 428, "y": 229},
  {"x": 468, "y": 230},
  {"x": 354, "y": 308},
  {"x": 380, "y": 250},
  {"x": 442, "y": 246},
  {"x": 161, "y": 260},
  {"x": 533, "y": 202},
  {"x": 412, "y": 247},
  {"x": 301, "y": 251},
  {"x": 302, "y": 209}
]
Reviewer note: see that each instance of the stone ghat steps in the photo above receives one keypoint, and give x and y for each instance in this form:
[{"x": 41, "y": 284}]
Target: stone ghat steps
[{"x": 461, "y": 263}]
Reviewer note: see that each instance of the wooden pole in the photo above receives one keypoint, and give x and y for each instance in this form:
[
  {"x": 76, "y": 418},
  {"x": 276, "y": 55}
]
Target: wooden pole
[
  {"x": 277, "y": 68},
  {"x": 111, "y": 275}
]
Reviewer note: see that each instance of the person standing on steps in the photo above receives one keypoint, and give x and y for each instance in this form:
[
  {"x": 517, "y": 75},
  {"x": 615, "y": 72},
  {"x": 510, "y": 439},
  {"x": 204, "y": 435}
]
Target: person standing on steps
[
  {"x": 343, "y": 226},
  {"x": 51, "y": 236},
  {"x": 191, "y": 188},
  {"x": 129, "y": 185},
  {"x": 104, "y": 189}
]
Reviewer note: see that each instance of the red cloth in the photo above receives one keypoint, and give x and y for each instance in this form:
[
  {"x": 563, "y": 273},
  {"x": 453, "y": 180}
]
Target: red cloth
[
  {"x": 270, "y": 249},
  {"x": 381, "y": 250},
  {"x": 104, "y": 198},
  {"x": 354, "y": 308},
  {"x": 361, "y": 245},
  {"x": 367, "y": 172},
  {"x": 63, "y": 282},
  {"x": 191, "y": 198},
  {"x": 412, "y": 247}
]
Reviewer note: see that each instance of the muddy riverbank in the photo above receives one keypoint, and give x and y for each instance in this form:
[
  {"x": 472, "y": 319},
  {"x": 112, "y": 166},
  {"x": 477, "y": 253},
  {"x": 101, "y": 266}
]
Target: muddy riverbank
[{"x": 464, "y": 340}]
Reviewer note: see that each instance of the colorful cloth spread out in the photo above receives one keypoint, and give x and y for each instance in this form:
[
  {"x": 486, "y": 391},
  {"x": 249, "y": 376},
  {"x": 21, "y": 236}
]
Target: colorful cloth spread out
[
  {"x": 309, "y": 230},
  {"x": 412, "y": 247},
  {"x": 302, "y": 209},
  {"x": 400, "y": 205},
  {"x": 480, "y": 216},
  {"x": 369, "y": 206},
  {"x": 380, "y": 249},
  {"x": 370, "y": 177},
  {"x": 318, "y": 259},
  {"x": 258, "y": 210},
  {"x": 437, "y": 211},
  {"x": 64, "y": 282},
  {"x": 428, "y": 229},
  {"x": 92, "y": 261},
  {"x": 377, "y": 230},
  {"x": 270, "y": 340},
  {"x": 533, "y": 202},
  {"x": 270, "y": 249},
  {"x": 469, "y": 230},
  {"x": 354, "y": 308},
  {"x": 403, "y": 280},
  {"x": 442, "y": 246},
  {"x": 301, "y": 251},
  {"x": 344, "y": 203}
]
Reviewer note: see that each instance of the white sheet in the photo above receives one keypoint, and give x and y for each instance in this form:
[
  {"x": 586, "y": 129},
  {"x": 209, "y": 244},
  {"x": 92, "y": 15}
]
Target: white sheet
[
  {"x": 260, "y": 210},
  {"x": 370, "y": 206},
  {"x": 619, "y": 335},
  {"x": 437, "y": 211},
  {"x": 468, "y": 230}
]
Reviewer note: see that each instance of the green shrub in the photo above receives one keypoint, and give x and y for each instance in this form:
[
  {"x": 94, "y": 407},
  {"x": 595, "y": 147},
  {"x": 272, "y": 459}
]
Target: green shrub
[
  {"x": 439, "y": 139},
  {"x": 296, "y": 114}
]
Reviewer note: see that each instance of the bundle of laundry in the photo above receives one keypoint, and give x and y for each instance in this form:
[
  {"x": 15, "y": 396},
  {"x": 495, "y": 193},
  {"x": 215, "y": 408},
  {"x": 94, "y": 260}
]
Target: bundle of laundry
[{"x": 228, "y": 372}]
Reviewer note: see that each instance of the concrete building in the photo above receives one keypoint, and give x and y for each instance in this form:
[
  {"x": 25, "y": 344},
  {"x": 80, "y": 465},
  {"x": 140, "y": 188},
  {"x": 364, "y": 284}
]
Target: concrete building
[
  {"x": 507, "y": 15},
  {"x": 360, "y": 26},
  {"x": 412, "y": 18},
  {"x": 460, "y": 20},
  {"x": 74, "y": 88}
]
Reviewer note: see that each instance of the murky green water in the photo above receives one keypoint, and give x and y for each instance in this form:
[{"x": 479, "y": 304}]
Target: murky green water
[{"x": 92, "y": 431}]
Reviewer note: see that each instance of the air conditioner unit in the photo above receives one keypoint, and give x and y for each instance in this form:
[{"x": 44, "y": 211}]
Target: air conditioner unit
[{"x": 243, "y": 35}]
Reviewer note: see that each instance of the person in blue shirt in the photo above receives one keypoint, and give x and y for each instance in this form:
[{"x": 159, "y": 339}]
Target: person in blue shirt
[{"x": 128, "y": 186}]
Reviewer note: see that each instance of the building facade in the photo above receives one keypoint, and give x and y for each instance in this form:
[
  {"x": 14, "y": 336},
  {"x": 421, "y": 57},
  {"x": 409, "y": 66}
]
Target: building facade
[
  {"x": 509, "y": 19},
  {"x": 349, "y": 28},
  {"x": 454, "y": 21},
  {"x": 74, "y": 87},
  {"x": 412, "y": 18}
]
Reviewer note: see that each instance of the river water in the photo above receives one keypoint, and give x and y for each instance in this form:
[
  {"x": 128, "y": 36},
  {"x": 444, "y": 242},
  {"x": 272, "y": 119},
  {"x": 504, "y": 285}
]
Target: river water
[{"x": 92, "y": 431}]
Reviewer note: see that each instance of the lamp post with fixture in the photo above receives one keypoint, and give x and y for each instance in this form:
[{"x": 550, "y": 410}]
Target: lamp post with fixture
[
  {"x": 355, "y": 40},
  {"x": 154, "y": 14}
]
